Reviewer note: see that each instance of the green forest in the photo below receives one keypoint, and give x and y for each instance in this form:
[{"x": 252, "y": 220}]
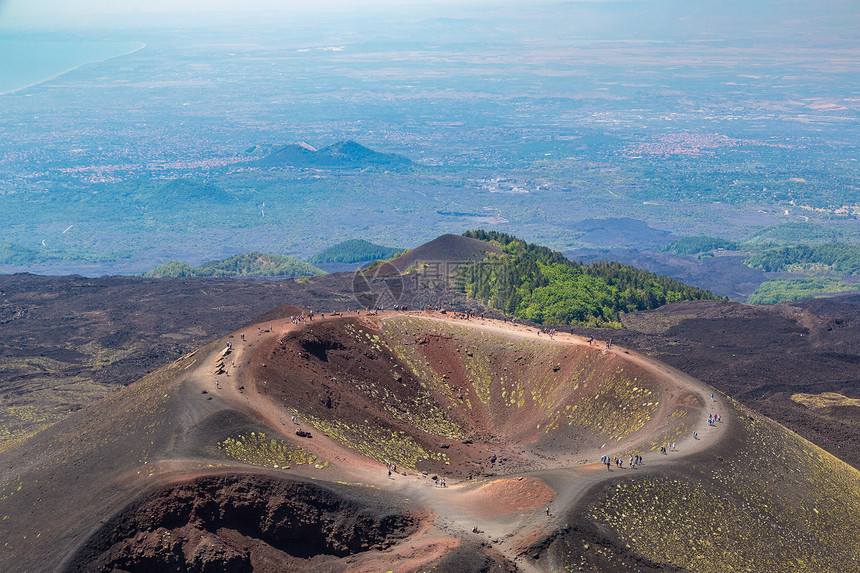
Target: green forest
[
  {"x": 353, "y": 251},
  {"x": 793, "y": 234},
  {"x": 538, "y": 284},
  {"x": 246, "y": 264},
  {"x": 791, "y": 289},
  {"x": 701, "y": 244},
  {"x": 838, "y": 258},
  {"x": 12, "y": 254}
]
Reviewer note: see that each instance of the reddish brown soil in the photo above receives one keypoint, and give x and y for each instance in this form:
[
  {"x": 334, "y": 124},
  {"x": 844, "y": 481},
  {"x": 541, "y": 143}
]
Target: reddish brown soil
[
  {"x": 505, "y": 496},
  {"x": 251, "y": 522},
  {"x": 136, "y": 481},
  {"x": 60, "y": 489},
  {"x": 321, "y": 372}
]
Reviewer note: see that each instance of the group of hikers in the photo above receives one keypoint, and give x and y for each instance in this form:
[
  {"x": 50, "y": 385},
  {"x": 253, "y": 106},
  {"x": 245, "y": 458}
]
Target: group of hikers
[
  {"x": 467, "y": 315},
  {"x": 299, "y": 319},
  {"x": 548, "y": 331},
  {"x": 392, "y": 467},
  {"x": 635, "y": 460},
  {"x": 592, "y": 341},
  {"x": 371, "y": 311}
]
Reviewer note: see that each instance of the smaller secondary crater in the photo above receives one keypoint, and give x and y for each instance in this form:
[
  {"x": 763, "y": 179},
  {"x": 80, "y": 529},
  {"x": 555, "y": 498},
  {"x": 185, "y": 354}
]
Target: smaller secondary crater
[{"x": 236, "y": 523}]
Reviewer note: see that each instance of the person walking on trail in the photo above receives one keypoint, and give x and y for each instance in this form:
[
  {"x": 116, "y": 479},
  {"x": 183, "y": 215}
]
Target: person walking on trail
[{"x": 695, "y": 435}]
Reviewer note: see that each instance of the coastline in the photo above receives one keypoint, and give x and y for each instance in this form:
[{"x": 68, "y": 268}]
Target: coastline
[{"x": 58, "y": 74}]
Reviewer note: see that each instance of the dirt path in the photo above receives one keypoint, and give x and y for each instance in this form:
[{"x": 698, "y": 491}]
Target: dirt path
[{"x": 461, "y": 507}]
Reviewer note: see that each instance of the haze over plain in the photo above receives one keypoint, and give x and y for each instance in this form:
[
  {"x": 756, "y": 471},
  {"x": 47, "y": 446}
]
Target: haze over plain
[{"x": 716, "y": 118}]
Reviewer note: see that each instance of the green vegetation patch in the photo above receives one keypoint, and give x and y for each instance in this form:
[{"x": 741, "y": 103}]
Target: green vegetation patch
[
  {"x": 13, "y": 254},
  {"x": 254, "y": 264},
  {"x": 701, "y": 244},
  {"x": 779, "y": 503},
  {"x": 824, "y": 400},
  {"x": 781, "y": 290},
  {"x": 837, "y": 258},
  {"x": 55, "y": 389},
  {"x": 421, "y": 411},
  {"x": 541, "y": 285},
  {"x": 17, "y": 423},
  {"x": 257, "y": 449},
  {"x": 353, "y": 251},
  {"x": 612, "y": 405},
  {"x": 377, "y": 443},
  {"x": 793, "y": 234}
]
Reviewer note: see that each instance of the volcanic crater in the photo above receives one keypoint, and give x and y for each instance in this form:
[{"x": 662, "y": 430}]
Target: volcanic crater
[
  {"x": 456, "y": 399},
  {"x": 417, "y": 441}
]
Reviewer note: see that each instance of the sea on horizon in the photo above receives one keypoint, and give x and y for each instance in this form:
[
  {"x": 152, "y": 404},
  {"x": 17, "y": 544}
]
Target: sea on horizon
[{"x": 25, "y": 62}]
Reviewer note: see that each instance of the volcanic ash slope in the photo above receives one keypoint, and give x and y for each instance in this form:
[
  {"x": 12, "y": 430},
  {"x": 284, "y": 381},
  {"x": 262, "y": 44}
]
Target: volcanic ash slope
[{"x": 199, "y": 466}]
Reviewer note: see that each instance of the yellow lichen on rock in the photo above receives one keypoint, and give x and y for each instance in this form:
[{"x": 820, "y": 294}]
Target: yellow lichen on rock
[{"x": 824, "y": 400}]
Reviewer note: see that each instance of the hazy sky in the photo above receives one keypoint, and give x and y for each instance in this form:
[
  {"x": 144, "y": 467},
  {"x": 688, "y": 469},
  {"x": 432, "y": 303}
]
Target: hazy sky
[
  {"x": 57, "y": 12},
  {"x": 657, "y": 18}
]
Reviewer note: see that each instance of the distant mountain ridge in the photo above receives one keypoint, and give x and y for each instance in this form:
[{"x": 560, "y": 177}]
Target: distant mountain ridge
[
  {"x": 340, "y": 155},
  {"x": 252, "y": 264}
]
